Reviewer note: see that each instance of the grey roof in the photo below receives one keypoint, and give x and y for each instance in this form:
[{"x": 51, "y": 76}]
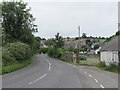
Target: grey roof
[{"x": 113, "y": 45}]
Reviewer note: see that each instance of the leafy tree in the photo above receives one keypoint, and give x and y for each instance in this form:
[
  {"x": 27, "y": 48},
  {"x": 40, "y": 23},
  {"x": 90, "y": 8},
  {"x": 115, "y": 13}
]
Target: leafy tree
[
  {"x": 56, "y": 51},
  {"x": 49, "y": 42},
  {"x": 76, "y": 38},
  {"x": 68, "y": 38},
  {"x": 71, "y": 49},
  {"x": 96, "y": 46},
  {"x": 58, "y": 41},
  {"x": 84, "y": 48},
  {"x": 18, "y": 22},
  {"x": 117, "y": 33},
  {"x": 84, "y": 35}
]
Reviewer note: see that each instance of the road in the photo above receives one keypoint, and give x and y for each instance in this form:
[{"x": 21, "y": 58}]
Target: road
[{"x": 46, "y": 72}]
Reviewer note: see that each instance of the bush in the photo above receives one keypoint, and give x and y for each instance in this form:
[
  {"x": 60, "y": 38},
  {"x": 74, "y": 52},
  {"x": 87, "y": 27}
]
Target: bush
[
  {"x": 56, "y": 53},
  {"x": 43, "y": 50},
  {"x": 15, "y": 52},
  {"x": 101, "y": 64},
  {"x": 71, "y": 49},
  {"x": 82, "y": 58},
  {"x": 112, "y": 67},
  {"x": 7, "y": 57}
]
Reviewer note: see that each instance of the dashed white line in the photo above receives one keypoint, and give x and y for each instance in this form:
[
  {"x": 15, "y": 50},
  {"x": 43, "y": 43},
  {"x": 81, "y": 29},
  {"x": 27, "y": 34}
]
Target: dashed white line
[
  {"x": 38, "y": 79},
  {"x": 101, "y": 86},
  {"x": 49, "y": 68},
  {"x": 96, "y": 80},
  {"x": 50, "y": 64},
  {"x": 90, "y": 75}
]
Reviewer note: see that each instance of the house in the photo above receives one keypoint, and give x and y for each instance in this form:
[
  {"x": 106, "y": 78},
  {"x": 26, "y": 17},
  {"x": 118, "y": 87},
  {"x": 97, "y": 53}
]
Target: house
[{"x": 109, "y": 52}]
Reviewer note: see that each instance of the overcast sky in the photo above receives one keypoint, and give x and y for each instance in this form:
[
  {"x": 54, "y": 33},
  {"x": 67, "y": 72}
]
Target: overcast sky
[{"x": 95, "y": 18}]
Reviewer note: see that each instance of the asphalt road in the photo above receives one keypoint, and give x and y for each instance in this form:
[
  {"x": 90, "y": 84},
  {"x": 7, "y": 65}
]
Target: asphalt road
[{"x": 46, "y": 72}]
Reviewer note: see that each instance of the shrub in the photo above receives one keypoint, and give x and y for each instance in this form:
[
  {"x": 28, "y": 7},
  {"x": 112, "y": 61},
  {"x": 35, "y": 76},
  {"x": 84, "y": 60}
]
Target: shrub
[
  {"x": 112, "y": 67},
  {"x": 43, "y": 50},
  {"x": 101, "y": 64},
  {"x": 56, "y": 53},
  {"x": 82, "y": 58},
  {"x": 71, "y": 49},
  {"x": 15, "y": 52},
  {"x": 7, "y": 57}
]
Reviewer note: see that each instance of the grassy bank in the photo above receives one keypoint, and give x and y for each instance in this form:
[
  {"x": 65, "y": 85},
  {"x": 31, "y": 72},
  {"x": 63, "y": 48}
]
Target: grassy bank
[
  {"x": 15, "y": 66},
  {"x": 111, "y": 68}
]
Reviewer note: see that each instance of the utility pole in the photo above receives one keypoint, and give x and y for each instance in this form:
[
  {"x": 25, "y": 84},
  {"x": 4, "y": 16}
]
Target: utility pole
[
  {"x": 79, "y": 38},
  {"x": 78, "y": 44}
]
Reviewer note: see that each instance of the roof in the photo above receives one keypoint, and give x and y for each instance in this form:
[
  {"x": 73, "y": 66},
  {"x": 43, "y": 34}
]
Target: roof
[{"x": 113, "y": 45}]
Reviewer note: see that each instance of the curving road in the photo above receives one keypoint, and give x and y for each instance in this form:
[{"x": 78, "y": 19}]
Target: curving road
[{"x": 46, "y": 72}]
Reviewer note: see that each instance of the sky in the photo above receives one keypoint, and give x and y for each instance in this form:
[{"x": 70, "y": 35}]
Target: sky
[{"x": 95, "y": 18}]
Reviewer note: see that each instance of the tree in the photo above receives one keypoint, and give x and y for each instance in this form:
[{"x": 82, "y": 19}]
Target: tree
[
  {"x": 18, "y": 22},
  {"x": 96, "y": 46},
  {"x": 68, "y": 38},
  {"x": 117, "y": 33},
  {"x": 58, "y": 41},
  {"x": 49, "y": 42},
  {"x": 84, "y": 35}
]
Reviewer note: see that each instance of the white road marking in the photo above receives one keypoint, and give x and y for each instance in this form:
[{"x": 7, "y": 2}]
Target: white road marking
[
  {"x": 85, "y": 72},
  {"x": 90, "y": 75},
  {"x": 101, "y": 86},
  {"x": 38, "y": 79},
  {"x": 50, "y": 64},
  {"x": 49, "y": 68},
  {"x": 96, "y": 80}
]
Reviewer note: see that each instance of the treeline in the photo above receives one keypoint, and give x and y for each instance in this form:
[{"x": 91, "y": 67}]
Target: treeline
[{"x": 19, "y": 44}]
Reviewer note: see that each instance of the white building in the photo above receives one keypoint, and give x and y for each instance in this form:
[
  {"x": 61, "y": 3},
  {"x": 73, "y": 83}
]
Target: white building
[{"x": 109, "y": 52}]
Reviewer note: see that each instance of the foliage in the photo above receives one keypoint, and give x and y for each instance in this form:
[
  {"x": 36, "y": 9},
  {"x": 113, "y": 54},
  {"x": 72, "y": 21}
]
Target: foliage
[
  {"x": 15, "y": 66},
  {"x": 76, "y": 38},
  {"x": 71, "y": 49},
  {"x": 56, "y": 53},
  {"x": 82, "y": 58},
  {"x": 58, "y": 41},
  {"x": 88, "y": 42},
  {"x": 117, "y": 33},
  {"x": 112, "y": 67},
  {"x": 18, "y": 22},
  {"x": 15, "y": 52},
  {"x": 96, "y": 46},
  {"x": 43, "y": 50},
  {"x": 101, "y": 64},
  {"x": 84, "y": 48},
  {"x": 49, "y": 42},
  {"x": 84, "y": 35}
]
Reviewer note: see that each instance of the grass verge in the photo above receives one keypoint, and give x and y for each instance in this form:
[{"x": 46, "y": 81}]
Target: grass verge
[{"x": 14, "y": 67}]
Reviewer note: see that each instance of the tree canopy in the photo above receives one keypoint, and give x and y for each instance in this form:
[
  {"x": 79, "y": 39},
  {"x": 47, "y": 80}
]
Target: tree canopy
[{"x": 18, "y": 22}]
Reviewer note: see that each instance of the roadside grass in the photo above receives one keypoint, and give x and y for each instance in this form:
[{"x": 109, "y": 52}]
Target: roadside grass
[
  {"x": 111, "y": 68},
  {"x": 91, "y": 60},
  {"x": 15, "y": 66}
]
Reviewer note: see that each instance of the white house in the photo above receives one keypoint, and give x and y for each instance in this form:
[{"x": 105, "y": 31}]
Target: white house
[{"x": 109, "y": 52}]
